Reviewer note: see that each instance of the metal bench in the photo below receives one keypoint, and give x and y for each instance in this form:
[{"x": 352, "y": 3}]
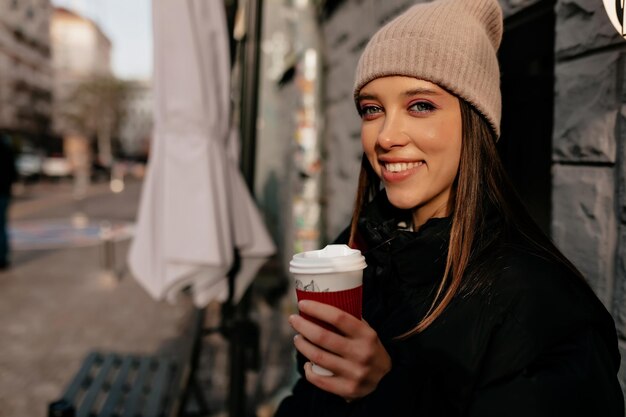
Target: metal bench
[{"x": 122, "y": 385}]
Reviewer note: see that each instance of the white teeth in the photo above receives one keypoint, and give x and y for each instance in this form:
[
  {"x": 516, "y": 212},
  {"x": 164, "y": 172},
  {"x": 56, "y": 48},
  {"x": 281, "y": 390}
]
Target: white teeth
[{"x": 401, "y": 166}]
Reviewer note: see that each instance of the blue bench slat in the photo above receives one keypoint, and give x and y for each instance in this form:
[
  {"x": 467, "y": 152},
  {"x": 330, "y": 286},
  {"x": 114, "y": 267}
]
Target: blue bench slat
[
  {"x": 134, "y": 399},
  {"x": 96, "y": 387},
  {"x": 115, "y": 394},
  {"x": 162, "y": 378},
  {"x": 79, "y": 382}
]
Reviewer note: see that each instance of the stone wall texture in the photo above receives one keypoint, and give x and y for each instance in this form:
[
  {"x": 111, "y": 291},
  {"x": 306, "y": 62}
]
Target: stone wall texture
[
  {"x": 588, "y": 160},
  {"x": 589, "y": 172},
  {"x": 584, "y": 224},
  {"x": 586, "y": 106},
  {"x": 582, "y": 26}
]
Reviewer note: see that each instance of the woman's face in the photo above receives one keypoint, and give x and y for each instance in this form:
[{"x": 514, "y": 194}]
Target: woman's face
[{"x": 411, "y": 135}]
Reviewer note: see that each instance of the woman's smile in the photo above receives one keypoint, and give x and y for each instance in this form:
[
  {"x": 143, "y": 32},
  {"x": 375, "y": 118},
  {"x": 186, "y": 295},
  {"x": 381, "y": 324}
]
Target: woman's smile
[{"x": 399, "y": 171}]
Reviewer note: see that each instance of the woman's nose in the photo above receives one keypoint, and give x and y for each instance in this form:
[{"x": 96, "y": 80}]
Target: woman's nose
[{"x": 392, "y": 134}]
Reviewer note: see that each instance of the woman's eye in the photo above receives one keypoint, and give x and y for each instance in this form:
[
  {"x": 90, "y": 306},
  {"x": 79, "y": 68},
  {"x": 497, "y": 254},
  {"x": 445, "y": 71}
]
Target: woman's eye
[
  {"x": 422, "y": 107},
  {"x": 369, "y": 110}
]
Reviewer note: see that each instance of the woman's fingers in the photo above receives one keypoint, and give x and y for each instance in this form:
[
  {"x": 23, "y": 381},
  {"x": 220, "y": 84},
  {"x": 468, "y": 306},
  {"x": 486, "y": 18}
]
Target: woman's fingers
[
  {"x": 346, "y": 388},
  {"x": 344, "y": 322},
  {"x": 329, "y": 360},
  {"x": 352, "y": 329},
  {"x": 320, "y": 336},
  {"x": 331, "y": 350},
  {"x": 355, "y": 356},
  {"x": 358, "y": 342}
]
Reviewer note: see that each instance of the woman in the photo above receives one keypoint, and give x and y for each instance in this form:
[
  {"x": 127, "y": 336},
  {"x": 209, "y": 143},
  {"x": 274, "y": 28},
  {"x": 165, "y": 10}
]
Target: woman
[{"x": 468, "y": 308}]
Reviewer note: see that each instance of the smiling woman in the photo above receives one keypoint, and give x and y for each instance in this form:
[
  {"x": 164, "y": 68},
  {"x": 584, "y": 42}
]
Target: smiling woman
[{"x": 468, "y": 308}]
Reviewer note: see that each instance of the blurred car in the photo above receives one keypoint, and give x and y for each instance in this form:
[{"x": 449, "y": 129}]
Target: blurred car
[
  {"x": 29, "y": 165},
  {"x": 56, "y": 167}
]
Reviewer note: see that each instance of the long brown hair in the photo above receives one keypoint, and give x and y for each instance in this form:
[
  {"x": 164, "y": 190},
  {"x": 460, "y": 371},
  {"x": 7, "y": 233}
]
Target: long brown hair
[{"x": 481, "y": 183}]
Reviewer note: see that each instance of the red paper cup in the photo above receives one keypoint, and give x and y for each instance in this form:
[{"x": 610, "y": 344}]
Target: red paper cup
[
  {"x": 348, "y": 300},
  {"x": 333, "y": 275}
]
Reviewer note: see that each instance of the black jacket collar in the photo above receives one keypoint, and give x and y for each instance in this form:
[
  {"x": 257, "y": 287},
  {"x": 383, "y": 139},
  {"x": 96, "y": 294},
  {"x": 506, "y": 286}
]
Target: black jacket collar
[{"x": 415, "y": 257}]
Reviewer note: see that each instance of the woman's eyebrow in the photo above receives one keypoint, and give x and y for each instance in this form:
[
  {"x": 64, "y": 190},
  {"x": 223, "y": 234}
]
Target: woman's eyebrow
[
  {"x": 366, "y": 97},
  {"x": 408, "y": 93},
  {"x": 421, "y": 91}
]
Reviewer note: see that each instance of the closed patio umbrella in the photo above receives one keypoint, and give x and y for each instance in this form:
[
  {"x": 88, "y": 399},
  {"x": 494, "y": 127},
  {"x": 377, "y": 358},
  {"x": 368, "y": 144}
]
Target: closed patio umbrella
[{"x": 195, "y": 208}]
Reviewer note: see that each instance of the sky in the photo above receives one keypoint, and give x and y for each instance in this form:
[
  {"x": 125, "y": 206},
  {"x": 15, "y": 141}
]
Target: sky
[{"x": 128, "y": 24}]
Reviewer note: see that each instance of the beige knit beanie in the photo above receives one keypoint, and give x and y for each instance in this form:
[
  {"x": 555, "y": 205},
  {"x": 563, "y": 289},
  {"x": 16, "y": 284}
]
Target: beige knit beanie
[{"x": 452, "y": 43}]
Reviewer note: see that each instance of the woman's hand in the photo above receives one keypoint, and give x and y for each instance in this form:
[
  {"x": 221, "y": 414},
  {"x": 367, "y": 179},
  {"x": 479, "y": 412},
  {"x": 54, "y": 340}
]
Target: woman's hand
[{"x": 356, "y": 357}]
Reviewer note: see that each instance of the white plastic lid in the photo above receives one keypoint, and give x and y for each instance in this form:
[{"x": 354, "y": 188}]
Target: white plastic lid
[{"x": 333, "y": 258}]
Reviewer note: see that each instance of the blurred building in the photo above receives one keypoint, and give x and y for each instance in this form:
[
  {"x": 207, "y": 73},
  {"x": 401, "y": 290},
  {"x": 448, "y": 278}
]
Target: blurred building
[
  {"x": 81, "y": 54},
  {"x": 80, "y": 48},
  {"x": 136, "y": 127},
  {"x": 25, "y": 69},
  {"x": 80, "y": 51}
]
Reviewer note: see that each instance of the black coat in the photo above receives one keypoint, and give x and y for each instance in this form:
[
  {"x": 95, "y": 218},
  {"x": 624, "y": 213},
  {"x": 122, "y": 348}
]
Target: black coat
[{"x": 534, "y": 342}]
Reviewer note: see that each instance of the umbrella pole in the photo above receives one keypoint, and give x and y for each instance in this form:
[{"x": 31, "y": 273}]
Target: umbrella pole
[
  {"x": 245, "y": 337},
  {"x": 243, "y": 343},
  {"x": 242, "y": 332},
  {"x": 231, "y": 317},
  {"x": 250, "y": 90}
]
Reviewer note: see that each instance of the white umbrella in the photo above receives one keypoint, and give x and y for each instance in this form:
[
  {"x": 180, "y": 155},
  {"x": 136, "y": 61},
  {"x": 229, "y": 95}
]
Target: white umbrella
[{"x": 195, "y": 207}]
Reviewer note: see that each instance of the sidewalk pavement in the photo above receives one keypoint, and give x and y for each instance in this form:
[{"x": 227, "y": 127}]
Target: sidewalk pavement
[{"x": 57, "y": 305}]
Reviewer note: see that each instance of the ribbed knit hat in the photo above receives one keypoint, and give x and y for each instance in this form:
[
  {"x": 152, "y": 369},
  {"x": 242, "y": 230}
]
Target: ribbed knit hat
[{"x": 452, "y": 43}]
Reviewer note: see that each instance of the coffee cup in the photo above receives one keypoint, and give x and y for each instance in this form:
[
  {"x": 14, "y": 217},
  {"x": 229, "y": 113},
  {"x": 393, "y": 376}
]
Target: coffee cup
[{"x": 333, "y": 275}]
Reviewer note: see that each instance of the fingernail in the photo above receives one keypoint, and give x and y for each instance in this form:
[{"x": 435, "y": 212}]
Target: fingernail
[{"x": 296, "y": 337}]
